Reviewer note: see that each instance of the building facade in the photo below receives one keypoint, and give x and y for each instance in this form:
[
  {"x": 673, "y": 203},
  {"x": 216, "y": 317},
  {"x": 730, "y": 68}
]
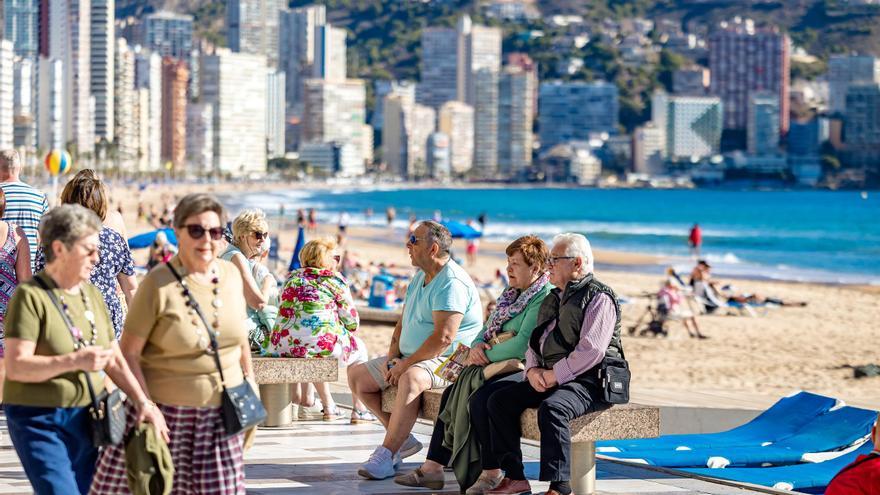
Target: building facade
[
  {"x": 174, "y": 81},
  {"x": 456, "y": 120},
  {"x": 691, "y": 125},
  {"x": 7, "y": 94},
  {"x": 296, "y": 50},
  {"x": 330, "y": 56},
  {"x": 571, "y": 111},
  {"x": 763, "y": 124},
  {"x": 252, "y": 27},
  {"x": 405, "y": 136},
  {"x": 515, "y": 119},
  {"x": 275, "y": 107},
  {"x": 335, "y": 111},
  {"x": 439, "y": 70},
  {"x": 103, "y": 44},
  {"x": 169, "y": 34},
  {"x": 200, "y": 138},
  {"x": 844, "y": 70}
]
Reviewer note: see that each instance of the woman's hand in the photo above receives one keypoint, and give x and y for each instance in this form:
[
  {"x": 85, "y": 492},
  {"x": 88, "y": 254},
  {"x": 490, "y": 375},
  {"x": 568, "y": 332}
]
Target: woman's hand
[
  {"x": 92, "y": 358},
  {"x": 477, "y": 355},
  {"x": 150, "y": 413}
]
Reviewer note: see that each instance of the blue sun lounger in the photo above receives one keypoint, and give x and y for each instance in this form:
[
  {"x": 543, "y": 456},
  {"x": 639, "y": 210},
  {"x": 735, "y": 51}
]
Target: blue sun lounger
[
  {"x": 810, "y": 477},
  {"x": 782, "y": 420},
  {"x": 833, "y": 431}
]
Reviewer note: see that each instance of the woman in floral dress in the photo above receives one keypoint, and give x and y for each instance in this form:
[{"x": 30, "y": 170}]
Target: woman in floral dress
[{"x": 317, "y": 319}]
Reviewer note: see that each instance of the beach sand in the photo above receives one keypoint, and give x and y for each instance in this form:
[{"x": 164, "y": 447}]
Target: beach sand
[{"x": 778, "y": 352}]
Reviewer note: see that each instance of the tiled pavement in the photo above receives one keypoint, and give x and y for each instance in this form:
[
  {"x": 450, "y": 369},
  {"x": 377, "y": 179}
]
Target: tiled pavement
[{"x": 316, "y": 457}]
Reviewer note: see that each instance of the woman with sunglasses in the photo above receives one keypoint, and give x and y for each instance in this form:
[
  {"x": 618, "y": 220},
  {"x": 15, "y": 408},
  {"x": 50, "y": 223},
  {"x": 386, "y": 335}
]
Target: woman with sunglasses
[
  {"x": 317, "y": 318},
  {"x": 250, "y": 242},
  {"x": 168, "y": 347}
]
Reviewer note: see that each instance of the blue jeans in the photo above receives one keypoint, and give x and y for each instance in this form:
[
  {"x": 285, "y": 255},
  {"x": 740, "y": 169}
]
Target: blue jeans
[{"x": 55, "y": 447}]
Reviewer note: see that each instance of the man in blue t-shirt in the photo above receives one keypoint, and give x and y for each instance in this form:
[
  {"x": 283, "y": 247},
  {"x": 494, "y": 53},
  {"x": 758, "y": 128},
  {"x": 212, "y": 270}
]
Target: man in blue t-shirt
[{"x": 441, "y": 309}]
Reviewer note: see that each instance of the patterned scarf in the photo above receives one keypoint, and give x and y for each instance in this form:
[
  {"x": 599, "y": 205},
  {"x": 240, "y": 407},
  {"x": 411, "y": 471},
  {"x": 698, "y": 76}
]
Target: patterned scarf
[{"x": 510, "y": 304}]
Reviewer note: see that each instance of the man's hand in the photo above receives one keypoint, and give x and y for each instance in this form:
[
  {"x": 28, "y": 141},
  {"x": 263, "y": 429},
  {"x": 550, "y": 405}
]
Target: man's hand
[
  {"x": 536, "y": 379},
  {"x": 477, "y": 355},
  {"x": 398, "y": 367},
  {"x": 549, "y": 378}
]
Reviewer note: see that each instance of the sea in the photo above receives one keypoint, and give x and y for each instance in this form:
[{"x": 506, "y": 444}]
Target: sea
[{"x": 811, "y": 236}]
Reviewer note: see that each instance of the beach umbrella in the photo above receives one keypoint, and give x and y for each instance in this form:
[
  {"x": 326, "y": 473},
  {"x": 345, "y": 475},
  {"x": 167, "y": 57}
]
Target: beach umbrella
[
  {"x": 146, "y": 239},
  {"x": 57, "y": 162},
  {"x": 460, "y": 230},
  {"x": 300, "y": 242}
]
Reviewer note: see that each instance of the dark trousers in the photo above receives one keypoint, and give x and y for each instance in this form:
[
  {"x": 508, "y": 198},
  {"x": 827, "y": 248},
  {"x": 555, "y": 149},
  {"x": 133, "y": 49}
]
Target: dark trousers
[
  {"x": 556, "y": 407},
  {"x": 479, "y": 422},
  {"x": 55, "y": 447}
]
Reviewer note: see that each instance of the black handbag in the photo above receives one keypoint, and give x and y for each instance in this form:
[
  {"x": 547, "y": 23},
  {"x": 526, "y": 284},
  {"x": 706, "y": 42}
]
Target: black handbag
[
  {"x": 107, "y": 410},
  {"x": 240, "y": 407},
  {"x": 615, "y": 376}
]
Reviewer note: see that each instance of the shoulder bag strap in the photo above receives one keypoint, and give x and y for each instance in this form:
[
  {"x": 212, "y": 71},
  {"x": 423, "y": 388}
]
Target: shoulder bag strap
[
  {"x": 69, "y": 324},
  {"x": 198, "y": 309}
]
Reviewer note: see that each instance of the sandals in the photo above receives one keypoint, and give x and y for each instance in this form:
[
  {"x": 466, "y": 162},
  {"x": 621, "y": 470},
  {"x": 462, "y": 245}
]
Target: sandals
[
  {"x": 331, "y": 414},
  {"x": 362, "y": 417}
]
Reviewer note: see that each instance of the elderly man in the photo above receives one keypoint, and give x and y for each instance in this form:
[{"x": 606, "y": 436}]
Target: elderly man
[
  {"x": 441, "y": 309},
  {"x": 25, "y": 205},
  {"x": 578, "y": 326}
]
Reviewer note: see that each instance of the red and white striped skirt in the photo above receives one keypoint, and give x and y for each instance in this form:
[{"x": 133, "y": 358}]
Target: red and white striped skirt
[{"x": 207, "y": 461}]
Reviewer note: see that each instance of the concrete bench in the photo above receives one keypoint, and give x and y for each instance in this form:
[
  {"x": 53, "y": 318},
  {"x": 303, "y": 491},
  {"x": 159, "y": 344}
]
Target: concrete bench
[
  {"x": 377, "y": 315},
  {"x": 617, "y": 423},
  {"x": 275, "y": 376}
]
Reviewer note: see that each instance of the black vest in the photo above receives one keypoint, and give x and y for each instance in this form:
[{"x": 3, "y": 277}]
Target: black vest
[{"x": 567, "y": 308}]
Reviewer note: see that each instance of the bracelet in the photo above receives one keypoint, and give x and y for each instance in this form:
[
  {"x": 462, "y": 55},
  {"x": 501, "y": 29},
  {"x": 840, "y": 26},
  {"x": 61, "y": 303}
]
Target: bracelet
[{"x": 146, "y": 404}]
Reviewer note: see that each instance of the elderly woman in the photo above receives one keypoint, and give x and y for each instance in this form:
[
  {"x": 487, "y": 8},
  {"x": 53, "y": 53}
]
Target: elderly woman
[
  {"x": 115, "y": 264},
  {"x": 317, "y": 318},
  {"x": 250, "y": 242},
  {"x": 578, "y": 326},
  {"x": 49, "y": 363},
  {"x": 168, "y": 346},
  {"x": 461, "y": 433}
]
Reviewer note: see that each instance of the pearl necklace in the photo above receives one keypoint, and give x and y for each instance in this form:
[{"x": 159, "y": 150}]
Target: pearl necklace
[
  {"x": 216, "y": 304},
  {"x": 77, "y": 334}
]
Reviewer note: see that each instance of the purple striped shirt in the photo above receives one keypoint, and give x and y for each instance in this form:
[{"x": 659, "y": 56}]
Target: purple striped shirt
[{"x": 596, "y": 332}]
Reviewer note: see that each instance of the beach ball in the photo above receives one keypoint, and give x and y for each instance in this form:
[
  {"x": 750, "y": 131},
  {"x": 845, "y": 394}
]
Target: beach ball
[{"x": 58, "y": 162}]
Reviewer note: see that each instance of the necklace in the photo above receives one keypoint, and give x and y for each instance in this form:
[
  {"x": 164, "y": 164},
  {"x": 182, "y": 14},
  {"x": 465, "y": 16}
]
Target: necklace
[
  {"x": 79, "y": 343},
  {"x": 192, "y": 304}
]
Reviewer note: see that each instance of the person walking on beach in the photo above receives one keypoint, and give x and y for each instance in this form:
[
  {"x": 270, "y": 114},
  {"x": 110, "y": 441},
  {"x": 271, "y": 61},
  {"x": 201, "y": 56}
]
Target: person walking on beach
[
  {"x": 25, "y": 205},
  {"x": 695, "y": 240},
  {"x": 390, "y": 214},
  {"x": 313, "y": 220}
]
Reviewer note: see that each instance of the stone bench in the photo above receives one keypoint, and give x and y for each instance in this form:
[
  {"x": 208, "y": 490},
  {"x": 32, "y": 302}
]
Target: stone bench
[
  {"x": 275, "y": 376},
  {"x": 377, "y": 315},
  {"x": 617, "y": 423}
]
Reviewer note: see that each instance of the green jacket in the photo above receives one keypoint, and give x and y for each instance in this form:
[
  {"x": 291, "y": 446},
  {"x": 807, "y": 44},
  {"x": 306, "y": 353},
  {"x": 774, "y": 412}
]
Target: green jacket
[
  {"x": 522, "y": 324},
  {"x": 149, "y": 468}
]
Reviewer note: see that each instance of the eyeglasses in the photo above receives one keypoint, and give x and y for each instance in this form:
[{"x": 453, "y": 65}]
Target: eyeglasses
[
  {"x": 555, "y": 259},
  {"x": 197, "y": 231},
  {"x": 261, "y": 235},
  {"x": 414, "y": 240}
]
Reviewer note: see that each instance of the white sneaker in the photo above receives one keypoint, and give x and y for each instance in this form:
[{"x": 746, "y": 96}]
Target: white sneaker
[
  {"x": 410, "y": 447},
  {"x": 379, "y": 466}
]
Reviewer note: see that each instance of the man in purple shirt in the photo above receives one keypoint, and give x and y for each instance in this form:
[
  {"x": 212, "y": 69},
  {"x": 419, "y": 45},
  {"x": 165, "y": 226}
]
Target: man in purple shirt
[{"x": 578, "y": 326}]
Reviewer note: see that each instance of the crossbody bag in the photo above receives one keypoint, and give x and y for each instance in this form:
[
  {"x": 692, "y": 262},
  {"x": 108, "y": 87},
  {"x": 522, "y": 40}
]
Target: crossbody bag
[
  {"x": 107, "y": 411},
  {"x": 240, "y": 408}
]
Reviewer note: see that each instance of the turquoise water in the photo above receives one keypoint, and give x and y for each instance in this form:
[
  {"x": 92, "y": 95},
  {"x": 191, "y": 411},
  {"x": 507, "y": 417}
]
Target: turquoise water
[{"x": 792, "y": 235}]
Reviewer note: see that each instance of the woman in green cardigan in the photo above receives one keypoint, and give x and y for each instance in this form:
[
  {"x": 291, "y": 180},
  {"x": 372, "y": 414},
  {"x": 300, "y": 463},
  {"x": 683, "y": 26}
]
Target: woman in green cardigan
[{"x": 460, "y": 439}]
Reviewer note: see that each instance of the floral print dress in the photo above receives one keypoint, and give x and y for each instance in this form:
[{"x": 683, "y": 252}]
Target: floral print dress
[{"x": 316, "y": 318}]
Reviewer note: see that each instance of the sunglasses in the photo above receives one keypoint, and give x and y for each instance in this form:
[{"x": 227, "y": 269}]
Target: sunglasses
[
  {"x": 413, "y": 239},
  {"x": 197, "y": 231},
  {"x": 261, "y": 235}
]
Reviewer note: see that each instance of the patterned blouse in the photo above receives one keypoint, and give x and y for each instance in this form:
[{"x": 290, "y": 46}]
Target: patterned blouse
[
  {"x": 8, "y": 276},
  {"x": 115, "y": 258},
  {"x": 316, "y": 317}
]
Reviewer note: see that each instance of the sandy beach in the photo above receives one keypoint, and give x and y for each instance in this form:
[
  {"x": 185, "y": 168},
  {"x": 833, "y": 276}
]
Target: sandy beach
[{"x": 777, "y": 352}]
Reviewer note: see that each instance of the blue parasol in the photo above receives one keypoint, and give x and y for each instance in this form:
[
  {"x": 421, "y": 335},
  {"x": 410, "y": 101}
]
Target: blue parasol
[
  {"x": 461, "y": 230},
  {"x": 300, "y": 242},
  {"x": 141, "y": 241}
]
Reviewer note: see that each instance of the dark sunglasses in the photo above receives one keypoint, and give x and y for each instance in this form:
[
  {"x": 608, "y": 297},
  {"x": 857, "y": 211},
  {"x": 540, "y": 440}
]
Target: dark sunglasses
[
  {"x": 197, "y": 231},
  {"x": 413, "y": 239},
  {"x": 261, "y": 235}
]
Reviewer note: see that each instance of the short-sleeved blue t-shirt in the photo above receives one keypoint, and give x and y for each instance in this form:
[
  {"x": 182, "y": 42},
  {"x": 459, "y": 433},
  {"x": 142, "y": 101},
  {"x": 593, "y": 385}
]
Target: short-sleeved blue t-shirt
[{"x": 451, "y": 290}]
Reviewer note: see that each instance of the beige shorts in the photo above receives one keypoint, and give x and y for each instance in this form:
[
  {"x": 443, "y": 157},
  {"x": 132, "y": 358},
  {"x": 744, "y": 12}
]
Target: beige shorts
[{"x": 377, "y": 368}]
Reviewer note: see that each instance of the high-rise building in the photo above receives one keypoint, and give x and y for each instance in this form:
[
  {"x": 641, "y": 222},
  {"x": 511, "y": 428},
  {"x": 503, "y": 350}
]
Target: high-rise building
[
  {"x": 51, "y": 132},
  {"x": 148, "y": 81},
  {"x": 7, "y": 96},
  {"x": 235, "y": 83},
  {"x": 125, "y": 101},
  {"x": 844, "y": 70},
  {"x": 571, "y": 111},
  {"x": 275, "y": 84},
  {"x": 805, "y": 137},
  {"x": 330, "y": 56},
  {"x": 862, "y": 125},
  {"x": 169, "y": 34},
  {"x": 438, "y": 155},
  {"x": 252, "y": 27},
  {"x": 405, "y": 136},
  {"x": 335, "y": 111},
  {"x": 103, "y": 41},
  {"x": 648, "y": 149},
  {"x": 65, "y": 33},
  {"x": 743, "y": 59},
  {"x": 21, "y": 23},
  {"x": 691, "y": 125},
  {"x": 381, "y": 89},
  {"x": 515, "y": 119},
  {"x": 200, "y": 137},
  {"x": 24, "y": 104},
  {"x": 440, "y": 66},
  {"x": 482, "y": 52},
  {"x": 174, "y": 80},
  {"x": 693, "y": 81},
  {"x": 296, "y": 50},
  {"x": 457, "y": 121},
  {"x": 763, "y": 124},
  {"x": 480, "y": 73}
]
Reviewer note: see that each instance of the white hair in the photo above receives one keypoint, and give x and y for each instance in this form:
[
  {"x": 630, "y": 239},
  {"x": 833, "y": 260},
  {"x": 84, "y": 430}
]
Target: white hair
[{"x": 578, "y": 246}]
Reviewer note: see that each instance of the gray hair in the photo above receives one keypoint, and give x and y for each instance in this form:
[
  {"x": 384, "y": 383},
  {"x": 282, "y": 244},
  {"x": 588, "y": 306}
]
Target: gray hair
[
  {"x": 68, "y": 224},
  {"x": 438, "y": 234},
  {"x": 10, "y": 162},
  {"x": 578, "y": 246}
]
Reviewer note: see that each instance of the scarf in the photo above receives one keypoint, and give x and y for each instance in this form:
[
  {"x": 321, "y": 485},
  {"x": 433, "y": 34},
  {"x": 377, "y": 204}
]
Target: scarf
[{"x": 511, "y": 303}]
